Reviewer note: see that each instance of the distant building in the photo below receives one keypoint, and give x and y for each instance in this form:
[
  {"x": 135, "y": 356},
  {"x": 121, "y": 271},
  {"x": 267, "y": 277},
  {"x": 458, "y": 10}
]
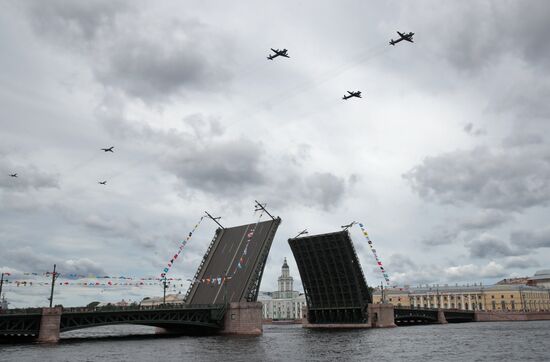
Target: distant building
[
  {"x": 170, "y": 299},
  {"x": 540, "y": 279},
  {"x": 498, "y": 297},
  {"x": 285, "y": 303}
]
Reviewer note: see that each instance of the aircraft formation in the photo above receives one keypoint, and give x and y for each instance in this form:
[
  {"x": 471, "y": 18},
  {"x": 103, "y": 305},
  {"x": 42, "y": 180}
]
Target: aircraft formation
[
  {"x": 357, "y": 94},
  {"x": 109, "y": 149},
  {"x": 284, "y": 54}
]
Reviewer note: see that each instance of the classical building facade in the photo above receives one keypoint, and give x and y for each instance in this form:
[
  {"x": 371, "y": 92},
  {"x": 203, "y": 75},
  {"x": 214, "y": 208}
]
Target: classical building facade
[
  {"x": 285, "y": 303},
  {"x": 498, "y": 297}
]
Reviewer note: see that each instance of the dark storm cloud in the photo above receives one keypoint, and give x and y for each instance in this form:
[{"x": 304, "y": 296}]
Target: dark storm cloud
[
  {"x": 485, "y": 178},
  {"x": 400, "y": 263},
  {"x": 491, "y": 247},
  {"x": 127, "y": 51},
  {"x": 72, "y": 22},
  {"x": 484, "y": 220},
  {"x": 531, "y": 238},
  {"x": 472, "y": 38},
  {"x": 471, "y": 224},
  {"x": 325, "y": 189},
  {"x": 520, "y": 262},
  {"x": 25, "y": 259},
  {"x": 221, "y": 168},
  {"x": 521, "y": 139}
]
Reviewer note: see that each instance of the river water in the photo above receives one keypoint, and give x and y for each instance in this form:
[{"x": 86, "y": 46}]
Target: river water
[{"x": 491, "y": 341}]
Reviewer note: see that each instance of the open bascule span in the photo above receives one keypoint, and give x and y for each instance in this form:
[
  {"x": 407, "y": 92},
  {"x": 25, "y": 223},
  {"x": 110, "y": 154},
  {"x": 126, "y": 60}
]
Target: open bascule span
[{"x": 233, "y": 265}]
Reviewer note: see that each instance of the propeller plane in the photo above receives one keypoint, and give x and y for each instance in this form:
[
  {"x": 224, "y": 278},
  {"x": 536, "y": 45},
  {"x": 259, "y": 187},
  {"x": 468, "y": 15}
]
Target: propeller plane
[
  {"x": 13, "y": 175},
  {"x": 403, "y": 36},
  {"x": 110, "y": 149},
  {"x": 102, "y": 182},
  {"x": 352, "y": 94},
  {"x": 281, "y": 53}
]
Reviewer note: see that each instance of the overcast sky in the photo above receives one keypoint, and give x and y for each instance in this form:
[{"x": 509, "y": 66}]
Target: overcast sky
[{"x": 445, "y": 159}]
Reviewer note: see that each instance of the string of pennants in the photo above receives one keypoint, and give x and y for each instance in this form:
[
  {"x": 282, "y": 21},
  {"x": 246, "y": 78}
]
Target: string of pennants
[
  {"x": 182, "y": 245},
  {"x": 212, "y": 280},
  {"x": 242, "y": 261},
  {"x": 89, "y": 276},
  {"x": 27, "y": 283},
  {"x": 378, "y": 262}
]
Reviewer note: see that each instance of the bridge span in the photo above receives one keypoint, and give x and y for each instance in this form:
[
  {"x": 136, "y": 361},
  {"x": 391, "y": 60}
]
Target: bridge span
[
  {"x": 185, "y": 319},
  {"x": 408, "y": 316}
]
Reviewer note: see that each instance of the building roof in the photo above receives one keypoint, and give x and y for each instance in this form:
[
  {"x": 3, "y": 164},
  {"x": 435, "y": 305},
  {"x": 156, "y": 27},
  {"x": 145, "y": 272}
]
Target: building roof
[
  {"x": 458, "y": 289},
  {"x": 285, "y": 265},
  {"x": 541, "y": 275}
]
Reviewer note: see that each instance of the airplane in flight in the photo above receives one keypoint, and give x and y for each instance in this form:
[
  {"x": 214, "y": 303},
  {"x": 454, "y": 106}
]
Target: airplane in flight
[
  {"x": 282, "y": 53},
  {"x": 13, "y": 175},
  {"x": 110, "y": 149},
  {"x": 403, "y": 36},
  {"x": 352, "y": 94},
  {"x": 102, "y": 182}
]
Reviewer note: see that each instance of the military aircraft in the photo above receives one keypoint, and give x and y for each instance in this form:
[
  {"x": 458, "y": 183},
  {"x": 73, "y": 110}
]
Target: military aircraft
[
  {"x": 102, "y": 182},
  {"x": 282, "y": 53},
  {"x": 403, "y": 36},
  {"x": 352, "y": 94},
  {"x": 13, "y": 175},
  {"x": 110, "y": 149}
]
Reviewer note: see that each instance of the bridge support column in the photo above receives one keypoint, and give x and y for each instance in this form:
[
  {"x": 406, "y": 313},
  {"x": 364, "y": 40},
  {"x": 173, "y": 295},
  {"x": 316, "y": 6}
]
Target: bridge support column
[
  {"x": 243, "y": 318},
  {"x": 50, "y": 324},
  {"x": 441, "y": 317},
  {"x": 381, "y": 315}
]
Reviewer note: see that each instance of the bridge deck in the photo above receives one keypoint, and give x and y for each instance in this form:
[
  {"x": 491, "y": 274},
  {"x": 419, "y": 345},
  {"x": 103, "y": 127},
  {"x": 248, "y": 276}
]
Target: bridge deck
[
  {"x": 222, "y": 259},
  {"x": 334, "y": 284}
]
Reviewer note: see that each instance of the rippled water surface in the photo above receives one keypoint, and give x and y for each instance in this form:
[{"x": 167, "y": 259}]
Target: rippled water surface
[{"x": 497, "y": 341}]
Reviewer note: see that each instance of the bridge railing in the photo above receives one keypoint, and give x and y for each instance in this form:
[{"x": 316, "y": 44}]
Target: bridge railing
[{"x": 129, "y": 308}]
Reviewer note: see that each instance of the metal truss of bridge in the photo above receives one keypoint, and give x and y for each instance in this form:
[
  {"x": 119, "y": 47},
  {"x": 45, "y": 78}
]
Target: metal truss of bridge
[
  {"x": 334, "y": 284},
  {"x": 221, "y": 260},
  {"x": 408, "y": 316},
  {"x": 183, "y": 319}
]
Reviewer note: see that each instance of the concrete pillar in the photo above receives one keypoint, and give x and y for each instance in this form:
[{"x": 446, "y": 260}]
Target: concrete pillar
[
  {"x": 441, "y": 317},
  {"x": 49, "y": 325},
  {"x": 243, "y": 318},
  {"x": 381, "y": 315}
]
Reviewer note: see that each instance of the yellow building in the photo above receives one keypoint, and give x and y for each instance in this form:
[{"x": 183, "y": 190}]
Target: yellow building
[{"x": 470, "y": 297}]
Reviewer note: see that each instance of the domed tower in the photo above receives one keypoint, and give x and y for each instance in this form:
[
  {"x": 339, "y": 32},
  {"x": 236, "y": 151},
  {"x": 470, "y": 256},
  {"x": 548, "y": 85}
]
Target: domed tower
[{"x": 285, "y": 282}]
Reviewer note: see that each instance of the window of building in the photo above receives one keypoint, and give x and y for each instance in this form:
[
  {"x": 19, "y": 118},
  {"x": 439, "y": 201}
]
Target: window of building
[
  {"x": 512, "y": 296},
  {"x": 502, "y": 296},
  {"x": 492, "y": 297},
  {"x": 494, "y": 305}
]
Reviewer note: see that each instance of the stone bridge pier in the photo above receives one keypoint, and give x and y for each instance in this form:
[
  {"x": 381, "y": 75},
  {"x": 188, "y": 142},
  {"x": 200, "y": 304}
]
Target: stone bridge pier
[
  {"x": 50, "y": 324},
  {"x": 381, "y": 315},
  {"x": 243, "y": 318}
]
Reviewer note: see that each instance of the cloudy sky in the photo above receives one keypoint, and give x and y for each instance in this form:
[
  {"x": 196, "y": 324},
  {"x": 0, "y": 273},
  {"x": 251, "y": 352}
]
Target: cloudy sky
[{"x": 445, "y": 159}]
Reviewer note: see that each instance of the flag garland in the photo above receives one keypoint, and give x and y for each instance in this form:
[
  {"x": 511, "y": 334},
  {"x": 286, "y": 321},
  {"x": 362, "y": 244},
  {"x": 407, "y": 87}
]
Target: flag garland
[
  {"x": 250, "y": 234},
  {"x": 182, "y": 245},
  {"x": 378, "y": 262},
  {"x": 87, "y": 276}
]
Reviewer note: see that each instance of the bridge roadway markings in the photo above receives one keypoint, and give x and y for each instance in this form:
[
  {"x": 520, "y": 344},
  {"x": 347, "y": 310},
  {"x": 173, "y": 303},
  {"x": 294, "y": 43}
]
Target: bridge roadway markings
[
  {"x": 231, "y": 262},
  {"x": 222, "y": 258}
]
